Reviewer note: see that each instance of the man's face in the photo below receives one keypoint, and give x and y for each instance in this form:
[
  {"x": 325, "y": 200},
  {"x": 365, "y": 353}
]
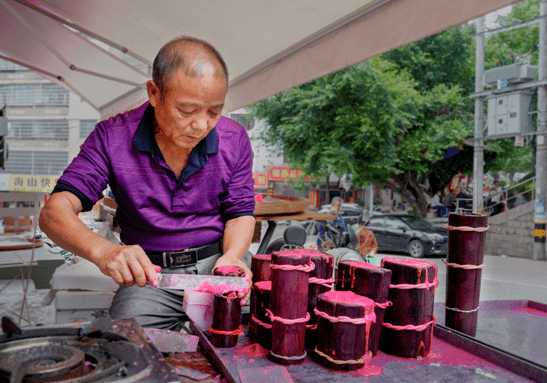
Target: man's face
[{"x": 190, "y": 108}]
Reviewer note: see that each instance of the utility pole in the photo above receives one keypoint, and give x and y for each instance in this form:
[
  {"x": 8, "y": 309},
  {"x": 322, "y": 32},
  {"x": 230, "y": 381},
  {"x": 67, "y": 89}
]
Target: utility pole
[
  {"x": 478, "y": 156},
  {"x": 541, "y": 150}
]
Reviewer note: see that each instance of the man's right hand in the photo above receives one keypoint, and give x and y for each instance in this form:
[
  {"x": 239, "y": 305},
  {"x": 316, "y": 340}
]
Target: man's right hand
[{"x": 127, "y": 265}]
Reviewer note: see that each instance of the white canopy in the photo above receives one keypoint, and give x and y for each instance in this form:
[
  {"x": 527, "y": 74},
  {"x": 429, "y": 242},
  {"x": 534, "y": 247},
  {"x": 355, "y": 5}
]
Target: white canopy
[{"x": 269, "y": 46}]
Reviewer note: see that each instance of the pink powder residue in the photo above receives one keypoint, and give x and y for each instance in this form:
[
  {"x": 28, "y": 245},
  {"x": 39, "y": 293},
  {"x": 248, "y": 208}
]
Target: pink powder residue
[
  {"x": 252, "y": 360},
  {"x": 350, "y": 298},
  {"x": 530, "y": 311},
  {"x": 264, "y": 285},
  {"x": 366, "y": 371},
  {"x": 364, "y": 265},
  {"x": 206, "y": 287},
  {"x": 267, "y": 257},
  {"x": 254, "y": 350},
  {"x": 258, "y": 198},
  {"x": 412, "y": 262}
]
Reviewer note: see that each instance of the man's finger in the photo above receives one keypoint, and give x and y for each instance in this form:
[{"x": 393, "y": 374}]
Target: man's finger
[
  {"x": 147, "y": 268},
  {"x": 117, "y": 277}
]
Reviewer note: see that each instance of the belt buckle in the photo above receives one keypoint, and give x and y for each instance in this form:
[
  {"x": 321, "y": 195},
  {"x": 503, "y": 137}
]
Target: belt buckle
[{"x": 182, "y": 258}]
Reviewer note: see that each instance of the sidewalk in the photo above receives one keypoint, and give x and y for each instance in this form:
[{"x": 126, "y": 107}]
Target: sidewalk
[{"x": 503, "y": 278}]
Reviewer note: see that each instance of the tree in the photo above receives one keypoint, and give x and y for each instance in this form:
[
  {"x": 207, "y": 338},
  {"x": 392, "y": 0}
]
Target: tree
[{"x": 368, "y": 120}]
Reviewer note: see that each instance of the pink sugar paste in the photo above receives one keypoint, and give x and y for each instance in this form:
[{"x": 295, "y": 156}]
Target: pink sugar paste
[
  {"x": 361, "y": 264},
  {"x": 254, "y": 350},
  {"x": 229, "y": 269},
  {"x": 349, "y": 298},
  {"x": 267, "y": 257},
  {"x": 264, "y": 285},
  {"x": 206, "y": 287}
]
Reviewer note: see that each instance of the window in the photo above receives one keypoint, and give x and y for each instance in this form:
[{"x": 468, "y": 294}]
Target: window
[
  {"x": 247, "y": 123},
  {"x": 38, "y": 129},
  {"x": 394, "y": 223},
  {"x": 86, "y": 127},
  {"x": 8, "y": 65},
  {"x": 33, "y": 94},
  {"x": 36, "y": 162},
  {"x": 376, "y": 221}
]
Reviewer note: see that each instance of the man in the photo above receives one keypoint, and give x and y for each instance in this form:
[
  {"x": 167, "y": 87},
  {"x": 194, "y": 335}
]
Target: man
[
  {"x": 182, "y": 178},
  {"x": 496, "y": 196},
  {"x": 437, "y": 204},
  {"x": 324, "y": 239}
]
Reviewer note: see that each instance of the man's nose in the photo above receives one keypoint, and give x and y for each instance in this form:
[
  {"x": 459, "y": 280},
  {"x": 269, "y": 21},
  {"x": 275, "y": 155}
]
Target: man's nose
[{"x": 201, "y": 123}]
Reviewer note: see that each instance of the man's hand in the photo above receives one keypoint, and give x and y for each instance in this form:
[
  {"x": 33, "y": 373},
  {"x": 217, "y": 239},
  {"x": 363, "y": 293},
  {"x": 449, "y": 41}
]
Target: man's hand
[
  {"x": 127, "y": 265},
  {"x": 227, "y": 260}
]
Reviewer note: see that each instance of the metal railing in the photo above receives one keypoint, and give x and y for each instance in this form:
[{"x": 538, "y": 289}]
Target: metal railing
[{"x": 510, "y": 198}]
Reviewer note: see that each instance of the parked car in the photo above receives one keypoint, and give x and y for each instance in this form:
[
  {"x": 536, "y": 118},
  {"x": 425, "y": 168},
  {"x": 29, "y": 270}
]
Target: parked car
[{"x": 406, "y": 233}]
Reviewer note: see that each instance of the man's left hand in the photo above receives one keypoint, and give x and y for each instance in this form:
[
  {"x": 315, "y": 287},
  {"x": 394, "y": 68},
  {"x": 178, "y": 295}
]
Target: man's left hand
[{"x": 227, "y": 260}]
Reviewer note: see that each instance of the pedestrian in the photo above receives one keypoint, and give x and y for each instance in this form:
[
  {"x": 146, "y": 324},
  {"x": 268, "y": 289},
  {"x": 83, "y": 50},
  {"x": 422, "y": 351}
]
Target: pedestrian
[
  {"x": 367, "y": 241},
  {"x": 181, "y": 175},
  {"x": 437, "y": 205},
  {"x": 495, "y": 194}
]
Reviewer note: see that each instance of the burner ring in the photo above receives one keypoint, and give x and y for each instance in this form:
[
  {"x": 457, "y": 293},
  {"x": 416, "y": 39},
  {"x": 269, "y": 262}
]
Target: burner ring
[{"x": 46, "y": 362}]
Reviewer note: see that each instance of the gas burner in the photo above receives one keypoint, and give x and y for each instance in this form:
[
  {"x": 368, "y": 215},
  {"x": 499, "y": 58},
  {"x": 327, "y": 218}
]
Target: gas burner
[{"x": 72, "y": 355}]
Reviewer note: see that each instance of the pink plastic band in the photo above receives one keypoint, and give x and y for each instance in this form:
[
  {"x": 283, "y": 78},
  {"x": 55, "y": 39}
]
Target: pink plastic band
[
  {"x": 411, "y": 327},
  {"x": 287, "y": 321},
  {"x": 366, "y": 319},
  {"x": 323, "y": 282},
  {"x": 306, "y": 268},
  {"x": 260, "y": 323},
  {"x": 383, "y": 305},
  {"x": 311, "y": 326},
  {"x": 425, "y": 285}
]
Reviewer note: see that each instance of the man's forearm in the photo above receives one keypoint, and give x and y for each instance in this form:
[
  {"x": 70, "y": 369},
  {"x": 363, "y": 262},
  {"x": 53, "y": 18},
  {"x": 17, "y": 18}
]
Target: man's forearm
[
  {"x": 238, "y": 234},
  {"x": 59, "y": 220}
]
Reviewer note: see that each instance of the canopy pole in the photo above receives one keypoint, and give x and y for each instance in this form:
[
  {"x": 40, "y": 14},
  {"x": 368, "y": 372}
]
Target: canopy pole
[
  {"x": 478, "y": 156},
  {"x": 541, "y": 147}
]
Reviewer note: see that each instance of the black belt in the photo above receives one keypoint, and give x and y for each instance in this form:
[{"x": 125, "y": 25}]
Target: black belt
[{"x": 186, "y": 257}]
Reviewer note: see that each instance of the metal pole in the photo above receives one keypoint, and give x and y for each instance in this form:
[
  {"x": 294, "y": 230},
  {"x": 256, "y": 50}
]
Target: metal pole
[
  {"x": 541, "y": 150},
  {"x": 478, "y": 157},
  {"x": 371, "y": 198}
]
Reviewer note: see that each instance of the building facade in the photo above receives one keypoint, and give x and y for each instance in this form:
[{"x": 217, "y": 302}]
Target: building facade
[{"x": 46, "y": 123}]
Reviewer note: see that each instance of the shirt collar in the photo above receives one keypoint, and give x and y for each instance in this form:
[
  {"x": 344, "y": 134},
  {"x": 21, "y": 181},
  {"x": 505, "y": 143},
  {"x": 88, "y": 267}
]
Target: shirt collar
[{"x": 144, "y": 136}]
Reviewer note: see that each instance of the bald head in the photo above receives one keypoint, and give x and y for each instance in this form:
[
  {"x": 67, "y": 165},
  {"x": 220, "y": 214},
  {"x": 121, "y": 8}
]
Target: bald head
[{"x": 195, "y": 57}]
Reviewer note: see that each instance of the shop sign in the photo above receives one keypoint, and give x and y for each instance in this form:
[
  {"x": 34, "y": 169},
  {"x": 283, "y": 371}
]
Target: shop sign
[
  {"x": 281, "y": 173},
  {"x": 261, "y": 180},
  {"x": 32, "y": 183}
]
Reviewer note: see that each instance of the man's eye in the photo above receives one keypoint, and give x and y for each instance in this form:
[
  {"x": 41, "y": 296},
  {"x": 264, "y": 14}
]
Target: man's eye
[
  {"x": 186, "y": 112},
  {"x": 213, "y": 114}
]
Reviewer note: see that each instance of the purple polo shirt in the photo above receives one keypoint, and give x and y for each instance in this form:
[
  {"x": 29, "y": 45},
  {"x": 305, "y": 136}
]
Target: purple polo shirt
[{"x": 155, "y": 209}]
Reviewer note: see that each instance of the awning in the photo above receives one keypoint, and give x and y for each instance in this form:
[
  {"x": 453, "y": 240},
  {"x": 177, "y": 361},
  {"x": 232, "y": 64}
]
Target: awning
[{"x": 269, "y": 46}]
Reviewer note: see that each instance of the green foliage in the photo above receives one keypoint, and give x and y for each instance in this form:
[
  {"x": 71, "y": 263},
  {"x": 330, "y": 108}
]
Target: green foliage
[{"x": 519, "y": 41}]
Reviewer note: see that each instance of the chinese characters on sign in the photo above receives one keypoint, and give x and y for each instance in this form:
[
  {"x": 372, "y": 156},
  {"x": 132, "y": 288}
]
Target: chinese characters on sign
[
  {"x": 261, "y": 180},
  {"x": 32, "y": 183},
  {"x": 281, "y": 173}
]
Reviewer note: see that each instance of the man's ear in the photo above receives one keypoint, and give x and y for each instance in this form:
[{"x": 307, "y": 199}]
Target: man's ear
[{"x": 154, "y": 94}]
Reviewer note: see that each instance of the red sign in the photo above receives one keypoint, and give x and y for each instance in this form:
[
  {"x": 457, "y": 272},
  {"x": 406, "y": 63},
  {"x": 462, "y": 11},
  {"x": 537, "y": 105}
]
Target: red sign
[
  {"x": 281, "y": 173},
  {"x": 261, "y": 180},
  {"x": 314, "y": 198}
]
